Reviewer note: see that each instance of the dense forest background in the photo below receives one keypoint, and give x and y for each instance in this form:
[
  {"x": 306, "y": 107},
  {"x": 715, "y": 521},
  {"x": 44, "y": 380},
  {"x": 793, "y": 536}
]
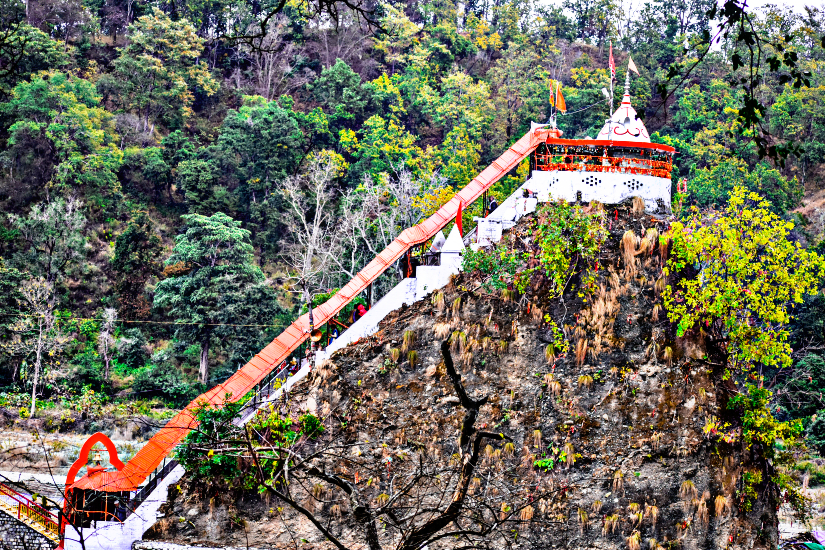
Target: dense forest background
[{"x": 177, "y": 180}]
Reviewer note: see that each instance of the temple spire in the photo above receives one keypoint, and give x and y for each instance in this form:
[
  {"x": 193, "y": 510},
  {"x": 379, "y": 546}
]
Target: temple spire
[{"x": 626, "y": 98}]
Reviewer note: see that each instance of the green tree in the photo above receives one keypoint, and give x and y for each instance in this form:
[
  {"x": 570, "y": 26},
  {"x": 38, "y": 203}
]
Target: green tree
[
  {"x": 342, "y": 96},
  {"x": 217, "y": 287},
  {"x": 135, "y": 261},
  {"x": 39, "y": 53},
  {"x": 10, "y": 282},
  {"x": 749, "y": 277},
  {"x": 713, "y": 186},
  {"x": 61, "y": 135},
  {"x": 53, "y": 237},
  {"x": 157, "y": 74}
]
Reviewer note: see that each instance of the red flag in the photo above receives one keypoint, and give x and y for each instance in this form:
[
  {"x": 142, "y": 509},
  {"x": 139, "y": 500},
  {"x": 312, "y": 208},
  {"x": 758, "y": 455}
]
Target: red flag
[
  {"x": 612, "y": 64},
  {"x": 458, "y": 220}
]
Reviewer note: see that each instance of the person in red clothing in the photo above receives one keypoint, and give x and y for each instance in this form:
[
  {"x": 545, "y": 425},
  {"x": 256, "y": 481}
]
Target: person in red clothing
[{"x": 358, "y": 312}]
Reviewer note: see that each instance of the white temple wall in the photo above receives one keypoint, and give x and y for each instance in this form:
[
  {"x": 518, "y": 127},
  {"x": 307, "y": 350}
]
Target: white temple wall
[{"x": 605, "y": 187}]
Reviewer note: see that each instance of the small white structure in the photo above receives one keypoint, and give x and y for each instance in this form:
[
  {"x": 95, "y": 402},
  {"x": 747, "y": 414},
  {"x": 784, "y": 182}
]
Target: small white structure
[{"x": 428, "y": 278}]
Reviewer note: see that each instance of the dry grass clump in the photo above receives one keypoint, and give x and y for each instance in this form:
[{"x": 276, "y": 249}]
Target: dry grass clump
[
  {"x": 596, "y": 507},
  {"x": 412, "y": 357},
  {"x": 466, "y": 359},
  {"x": 395, "y": 354},
  {"x": 526, "y": 514},
  {"x": 550, "y": 354},
  {"x": 585, "y": 381},
  {"x": 552, "y": 384},
  {"x": 457, "y": 306},
  {"x": 638, "y": 206},
  {"x": 633, "y": 540},
  {"x": 536, "y": 438}
]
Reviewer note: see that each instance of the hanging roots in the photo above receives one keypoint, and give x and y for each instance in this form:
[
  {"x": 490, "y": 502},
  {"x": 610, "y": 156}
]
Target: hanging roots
[
  {"x": 687, "y": 491},
  {"x": 441, "y": 330},
  {"x": 526, "y": 514},
  {"x": 585, "y": 381},
  {"x": 583, "y": 518},
  {"x": 407, "y": 341},
  {"x": 581, "y": 351},
  {"x": 664, "y": 244},
  {"x": 438, "y": 301},
  {"x": 722, "y": 505},
  {"x": 596, "y": 507},
  {"x": 638, "y": 205},
  {"x": 550, "y": 354},
  {"x": 629, "y": 243},
  {"x": 618, "y": 481},
  {"x": 633, "y": 540},
  {"x": 702, "y": 515},
  {"x": 412, "y": 357},
  {"x": 571, "y": 454},
  {"x": 457, "y": 306},
  {"x": 652, "y": 512},
  {"x": 509, "y": 449},
  {"x": 536, "y": 438}
]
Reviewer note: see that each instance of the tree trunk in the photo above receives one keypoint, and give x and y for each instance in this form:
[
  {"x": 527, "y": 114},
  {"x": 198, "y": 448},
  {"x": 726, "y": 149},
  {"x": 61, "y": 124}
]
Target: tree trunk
[
  {"x": 36, "y": 375},
  {"x": 203, "y": 374}
]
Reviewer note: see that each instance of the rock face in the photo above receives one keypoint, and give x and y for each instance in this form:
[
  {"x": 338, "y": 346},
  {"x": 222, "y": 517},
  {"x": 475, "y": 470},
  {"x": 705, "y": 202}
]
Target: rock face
[{"x": 603, "y": 447}]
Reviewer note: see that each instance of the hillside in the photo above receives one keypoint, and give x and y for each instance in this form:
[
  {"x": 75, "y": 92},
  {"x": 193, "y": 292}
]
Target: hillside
[{"x": 602, "y": 447}]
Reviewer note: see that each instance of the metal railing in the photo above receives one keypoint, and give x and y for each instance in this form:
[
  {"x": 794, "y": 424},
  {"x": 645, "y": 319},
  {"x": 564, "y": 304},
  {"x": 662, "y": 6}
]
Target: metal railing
[
  {"x": 265, "y": 389},
  {"x": 125, "y": 510},
  {"x": 29, "y": 512}
]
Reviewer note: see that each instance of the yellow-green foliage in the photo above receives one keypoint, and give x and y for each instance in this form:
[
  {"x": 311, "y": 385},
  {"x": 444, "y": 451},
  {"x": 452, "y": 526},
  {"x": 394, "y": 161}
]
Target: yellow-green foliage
[{"x": 751, "y": 275}]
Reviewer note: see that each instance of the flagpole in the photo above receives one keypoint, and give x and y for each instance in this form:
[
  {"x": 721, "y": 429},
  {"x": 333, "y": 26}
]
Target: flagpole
[{"x": 610, "y": 114}]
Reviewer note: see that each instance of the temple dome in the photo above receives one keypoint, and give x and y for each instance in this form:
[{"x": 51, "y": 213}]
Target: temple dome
[{"x": 624, "y": 125}]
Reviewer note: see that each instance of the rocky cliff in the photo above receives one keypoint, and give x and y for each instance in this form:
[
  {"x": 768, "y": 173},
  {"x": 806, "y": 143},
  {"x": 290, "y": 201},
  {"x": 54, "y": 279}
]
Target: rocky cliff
[{"x": 500, "y": 438}]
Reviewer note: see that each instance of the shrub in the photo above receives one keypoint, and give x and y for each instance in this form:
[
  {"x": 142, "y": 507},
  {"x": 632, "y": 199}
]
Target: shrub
[
  {"x": 166, "y": 382},
  {"x": 132, "y": 352}
]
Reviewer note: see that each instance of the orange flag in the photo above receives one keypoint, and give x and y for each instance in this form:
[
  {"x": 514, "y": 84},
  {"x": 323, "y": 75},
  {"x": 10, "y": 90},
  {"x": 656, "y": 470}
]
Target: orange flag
[
  {"x": 556, "y": 98},
  {"x": 560, "y": 103},
  {"x": 458, "y": 220}
]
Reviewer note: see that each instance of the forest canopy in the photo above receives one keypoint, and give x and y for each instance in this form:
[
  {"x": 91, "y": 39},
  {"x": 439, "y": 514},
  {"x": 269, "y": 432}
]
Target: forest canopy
[{"x": 181, "y": 178}]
